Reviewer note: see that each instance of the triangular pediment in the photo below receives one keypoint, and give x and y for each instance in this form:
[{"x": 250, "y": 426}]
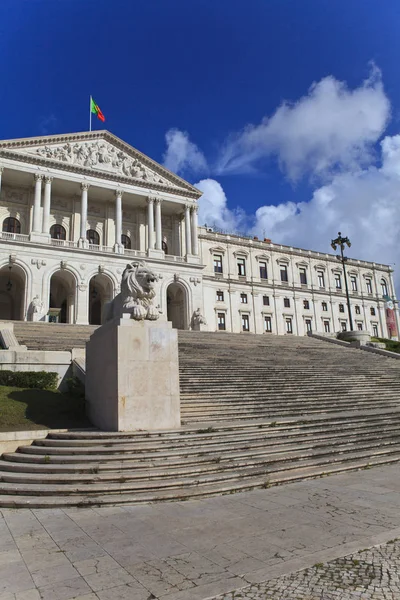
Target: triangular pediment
[{"x": 98, "y": 153}]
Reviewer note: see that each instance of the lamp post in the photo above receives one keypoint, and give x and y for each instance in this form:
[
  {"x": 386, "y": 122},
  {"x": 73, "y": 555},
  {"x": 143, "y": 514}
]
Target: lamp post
[{"x": 342, "y": 242}]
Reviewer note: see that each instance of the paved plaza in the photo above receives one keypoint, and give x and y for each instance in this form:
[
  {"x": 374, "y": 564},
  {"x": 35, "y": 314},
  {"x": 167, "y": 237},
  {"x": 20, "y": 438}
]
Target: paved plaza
[{"x": 290, "y": 537}]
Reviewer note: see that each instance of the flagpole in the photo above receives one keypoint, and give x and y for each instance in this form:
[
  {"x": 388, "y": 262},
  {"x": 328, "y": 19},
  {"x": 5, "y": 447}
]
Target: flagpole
[{"x": 90, "y": 113}]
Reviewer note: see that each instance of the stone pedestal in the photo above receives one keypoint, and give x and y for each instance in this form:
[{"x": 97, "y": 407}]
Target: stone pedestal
[
  {"x": 154, "y": 253},
  {"x": 132, "y": 376},
  {"x": 39, "y": 238},
  {"x": 355, "y": 336}
]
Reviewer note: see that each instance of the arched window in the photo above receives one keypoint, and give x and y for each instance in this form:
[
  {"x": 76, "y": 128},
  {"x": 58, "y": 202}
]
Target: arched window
[
  {"x": 384, "y": 288},
  {"x": 11, "y": 225},
  {"x": 126, "y": 241},
  {"x": 93, "y": 237},
  {"x": 164, "y": 246},
  {"x": 57, "y": 232}
]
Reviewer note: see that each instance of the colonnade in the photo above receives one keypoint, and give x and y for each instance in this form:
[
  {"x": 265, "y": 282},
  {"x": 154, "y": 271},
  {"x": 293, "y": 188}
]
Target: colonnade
[{"x": 41, "y": 219}]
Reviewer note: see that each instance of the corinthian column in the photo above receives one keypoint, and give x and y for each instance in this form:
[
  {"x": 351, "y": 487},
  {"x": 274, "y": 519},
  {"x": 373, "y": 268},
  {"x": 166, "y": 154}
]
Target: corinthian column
[
  {"x": 84, "y": 205},
  {"x": 150, "y": 223},
  {"x": 36, "y": 228},
  {"x": 195, "y": 235},
  {"x": 158, "y": 223},
  {"x": 187, "y": 229},
  {"x": 118, "y": 219},
  {"x": 46, "y": 204}
]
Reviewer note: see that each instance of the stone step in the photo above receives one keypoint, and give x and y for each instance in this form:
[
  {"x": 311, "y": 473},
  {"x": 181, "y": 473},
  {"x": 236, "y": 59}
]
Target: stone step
[
  {"x": 175, "y": 455},
  {"x": 186, "y": 492},
  {"x": 205, "y": 439},
  {"x": 120, "y": 484}
]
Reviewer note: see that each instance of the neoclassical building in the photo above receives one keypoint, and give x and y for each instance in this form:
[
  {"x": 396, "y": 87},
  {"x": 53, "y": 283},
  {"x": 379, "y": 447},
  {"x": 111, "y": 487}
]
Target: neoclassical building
[{"x": 75, "y": 208}]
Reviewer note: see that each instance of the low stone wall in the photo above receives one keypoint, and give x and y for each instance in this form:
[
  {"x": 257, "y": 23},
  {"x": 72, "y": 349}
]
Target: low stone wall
[
  {"x": 10, "y": 440},
  {"x": 38, "y": 360},
  {"x": 358, "y": 345}
]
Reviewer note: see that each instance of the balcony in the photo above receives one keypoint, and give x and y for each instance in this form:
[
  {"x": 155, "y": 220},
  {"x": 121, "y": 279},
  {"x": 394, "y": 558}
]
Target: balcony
[{"x": 23, "y": 239}]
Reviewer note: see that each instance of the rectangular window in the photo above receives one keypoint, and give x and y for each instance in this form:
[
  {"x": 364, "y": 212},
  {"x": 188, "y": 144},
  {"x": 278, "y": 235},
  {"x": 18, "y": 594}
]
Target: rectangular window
[
  {"x": 338, "y": 281},
  {"x": 243, "y": 298},
  {"x": 241, "y": 265},
  {"x": 324, "y": 307},
  {"x": 343, "y": 325},
  {"x": 286, "y": 302},
  {"x": 308, "y": 326},
  {"x": 245, "y": 323},
  {"x": 221, "y": 321},
  {"x": 289, "y": 328},
  {"x": 263, "y": 270},
  {"x": 306, "y": 304},
  {"x": 321, "y": 278},
  {"x": 267, "y": 324},
  {"x": 341, "y": 308},
  {"x": 327, "y": 327},
  {"x": 220, "y": 296},
  {"x": 284, "y": 273},
  {"x": 368, "y": 282},
  {"x": 353, "y": 280},
  {"x": 303, "y": 276},
  {"x": 372, "y": 309},
  {"x": 358, "y": 310},
  {"x": 375, "y": 332},
  {"x": 217, "y": 263},
  {"x": 266, "y": 300},
  {"x": 359, "y": 326}
]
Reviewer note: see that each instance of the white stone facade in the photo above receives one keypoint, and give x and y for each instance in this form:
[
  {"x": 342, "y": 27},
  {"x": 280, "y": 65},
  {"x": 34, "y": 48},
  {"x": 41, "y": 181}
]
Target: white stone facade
[{"x": 76, "y": 208}]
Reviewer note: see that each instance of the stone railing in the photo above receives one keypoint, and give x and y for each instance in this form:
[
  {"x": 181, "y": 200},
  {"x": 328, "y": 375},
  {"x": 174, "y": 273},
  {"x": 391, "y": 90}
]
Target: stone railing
[
  {"x": 19, "y": 237},
  {"x": 173, "y": 258},
  {"x": 63, "y": 243},
  {"x": 14, "y": 237},
  {"x": 99, "y": 248},
  {"x": 138, "y": 253}
]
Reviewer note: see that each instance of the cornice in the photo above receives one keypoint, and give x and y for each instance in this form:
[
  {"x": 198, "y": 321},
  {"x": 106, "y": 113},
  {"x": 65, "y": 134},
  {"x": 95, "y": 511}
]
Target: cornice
[
  {"x": 9, "y": 149},
  {"x": 217, "y": 238}
]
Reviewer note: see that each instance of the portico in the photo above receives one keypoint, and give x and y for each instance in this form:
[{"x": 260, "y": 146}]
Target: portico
[
  {"x": 78, "y": 205},
  {"x": 92, "y": 174}
]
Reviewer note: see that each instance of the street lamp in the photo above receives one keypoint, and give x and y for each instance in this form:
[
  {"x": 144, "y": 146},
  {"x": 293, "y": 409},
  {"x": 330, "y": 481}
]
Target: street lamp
[{"x": 341, "y": 242}]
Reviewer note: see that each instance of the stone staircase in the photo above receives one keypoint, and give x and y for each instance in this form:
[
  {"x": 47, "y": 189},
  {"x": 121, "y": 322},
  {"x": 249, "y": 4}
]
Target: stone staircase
[
  {"x": 52, "y": 336},
  {"x": 238, "y": 377},
  {"x": 257, "y": 411}
]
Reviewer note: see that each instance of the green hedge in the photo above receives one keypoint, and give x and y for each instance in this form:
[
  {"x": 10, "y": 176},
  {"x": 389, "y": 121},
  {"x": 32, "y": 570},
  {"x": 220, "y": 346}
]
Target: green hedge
[
  {"x": 391, "y": 345},
  {"x": 29, "y": 379}
]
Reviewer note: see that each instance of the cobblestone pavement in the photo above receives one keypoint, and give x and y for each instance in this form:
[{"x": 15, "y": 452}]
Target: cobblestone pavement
[
  {"x": 198, "y": 549},
  {"x": 370, "y": 574}
]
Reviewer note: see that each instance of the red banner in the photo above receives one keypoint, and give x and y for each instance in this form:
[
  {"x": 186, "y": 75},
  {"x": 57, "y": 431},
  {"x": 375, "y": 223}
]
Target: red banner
[{"x": 391, "y": 319}]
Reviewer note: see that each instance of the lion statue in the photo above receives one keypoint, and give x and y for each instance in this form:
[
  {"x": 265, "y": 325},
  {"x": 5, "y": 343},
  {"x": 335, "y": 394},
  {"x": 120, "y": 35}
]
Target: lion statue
[{"x": 136, "y": 296}]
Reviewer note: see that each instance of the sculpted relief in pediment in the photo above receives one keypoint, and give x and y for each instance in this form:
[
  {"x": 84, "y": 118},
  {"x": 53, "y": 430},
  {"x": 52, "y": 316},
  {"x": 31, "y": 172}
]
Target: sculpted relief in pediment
[{"x": 100, "y": 156}]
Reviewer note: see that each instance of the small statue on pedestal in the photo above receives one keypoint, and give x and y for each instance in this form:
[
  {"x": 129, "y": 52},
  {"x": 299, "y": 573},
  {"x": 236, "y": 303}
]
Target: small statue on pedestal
[
  {"x": 198, "y": 320},
  {"x": 36, "y": 309}
]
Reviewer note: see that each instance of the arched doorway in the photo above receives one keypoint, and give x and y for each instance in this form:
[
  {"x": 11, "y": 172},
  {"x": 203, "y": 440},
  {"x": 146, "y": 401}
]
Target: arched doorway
[
  {"x": 12, "y": 293},
  {"x": 100, "y": 292},
  {"x": 177, "y": 306},
  {"x": 62, "y": 295}
]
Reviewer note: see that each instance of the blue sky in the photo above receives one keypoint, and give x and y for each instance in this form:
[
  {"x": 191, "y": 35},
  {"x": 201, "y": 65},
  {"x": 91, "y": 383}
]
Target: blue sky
[{"x": 215, "y": 74}]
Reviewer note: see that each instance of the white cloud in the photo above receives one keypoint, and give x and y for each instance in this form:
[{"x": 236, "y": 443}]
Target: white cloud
[
  {"x": 213, "y": 209},
  {"x": 329, "y": 135},
  {"x": 363, "y": 204},
  {"x": 332, "y": 127},
  {"x": 182, "y": 155}
]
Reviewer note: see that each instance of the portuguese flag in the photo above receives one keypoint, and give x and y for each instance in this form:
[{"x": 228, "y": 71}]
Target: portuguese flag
[{"x": 94, "y": 108}]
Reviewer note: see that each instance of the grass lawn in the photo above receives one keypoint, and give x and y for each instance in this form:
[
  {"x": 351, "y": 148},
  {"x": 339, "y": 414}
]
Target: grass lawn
[{"x": 24, "y": 409}]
